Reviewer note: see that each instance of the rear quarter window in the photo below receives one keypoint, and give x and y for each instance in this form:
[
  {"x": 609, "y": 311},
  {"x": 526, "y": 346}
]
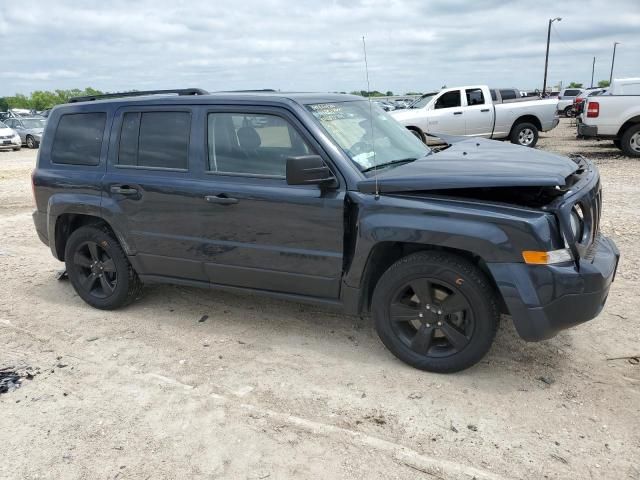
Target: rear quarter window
[
  {"x": 78, "y": 139},
  {"x": 508, "y": 94},
  {"x": 571, "y": 93}
]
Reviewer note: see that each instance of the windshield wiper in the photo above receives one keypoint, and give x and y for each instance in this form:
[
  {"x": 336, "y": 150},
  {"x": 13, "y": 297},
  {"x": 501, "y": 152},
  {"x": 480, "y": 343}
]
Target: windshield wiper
[{"x": 392, "y": 162}]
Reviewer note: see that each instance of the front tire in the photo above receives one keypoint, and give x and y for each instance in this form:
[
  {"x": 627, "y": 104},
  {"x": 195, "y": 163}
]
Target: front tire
[
  {"x": 525, "y": 134},
  {"x": 630, "y": 141},
  {"x": 99, "y": 269},
  {"x": 435, "y": 311},
  {"x": 17, "y": 149}
]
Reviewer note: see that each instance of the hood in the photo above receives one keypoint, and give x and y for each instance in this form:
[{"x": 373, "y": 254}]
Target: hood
[
  {"x": 407, "y": 114},
  {"x": 474, "y": 163},
  {"x": 5, "y": 132}
]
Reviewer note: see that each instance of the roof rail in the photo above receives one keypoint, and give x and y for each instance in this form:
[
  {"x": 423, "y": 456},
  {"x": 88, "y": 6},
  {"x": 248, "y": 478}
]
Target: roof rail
[
  {"x": 179, "y": 91},
  {"x": 255, "y": 90}
]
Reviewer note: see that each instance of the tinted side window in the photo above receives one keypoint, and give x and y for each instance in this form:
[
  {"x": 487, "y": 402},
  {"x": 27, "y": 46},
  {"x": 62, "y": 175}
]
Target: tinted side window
[
  {"x": 255, "y": 144},
  {"x": 474, "y": 96},
  {"x": 507, "y": 94},
  {"x": 155, "y": 139},
  {"x": 571, "y": 93},
  {"x": 494, "y": 97},
  {"x": 78, "y": 139},
  {"x": 449, "y": 100}
]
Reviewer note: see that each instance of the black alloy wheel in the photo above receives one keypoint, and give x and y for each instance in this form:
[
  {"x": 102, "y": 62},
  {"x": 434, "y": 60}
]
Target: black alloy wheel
[
  {"x": 435, "y": 311},
  {"x": 96, "y": 269},
  {"x": 431, "y": 317},
  {"x": 99, "y": 270}
]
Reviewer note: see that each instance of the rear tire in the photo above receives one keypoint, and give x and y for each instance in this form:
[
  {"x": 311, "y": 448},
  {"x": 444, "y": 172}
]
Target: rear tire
[
  {"x": 31, "y": 142},
  {"x": 435, "y": 311},
  {"x": 99, "y": 269},
  {"x": 630, "y": 141},
  {"x": 569, "y": 112},
  {"x": 524, "y": 134}
]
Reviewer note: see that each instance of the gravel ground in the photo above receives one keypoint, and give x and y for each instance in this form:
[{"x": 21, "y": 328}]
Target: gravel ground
[{"x": 199, "y": 384}]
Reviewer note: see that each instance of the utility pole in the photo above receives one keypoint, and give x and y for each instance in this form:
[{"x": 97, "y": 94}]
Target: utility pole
[
  {"x": 613, "y": 59},
  {"x": 546, "y": 58},
  {"x": 593, "y": 67}
]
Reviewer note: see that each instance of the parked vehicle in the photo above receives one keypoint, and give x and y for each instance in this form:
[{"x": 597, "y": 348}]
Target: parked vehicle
[
  {"x": 469, "y": 111},
  {"x": 9, "y": 138},
  {"x": 323, "y": 202},
  {"x": 565, "y": 100},
  {"x": 29, "y": 128},
  {"x": 508, "y": 95},
  {"x": 615, "y": 116},
  {"x": 579, "y": 101},
  {"x": 625, "y": 86},
  {"x": 386, "y": 106}
]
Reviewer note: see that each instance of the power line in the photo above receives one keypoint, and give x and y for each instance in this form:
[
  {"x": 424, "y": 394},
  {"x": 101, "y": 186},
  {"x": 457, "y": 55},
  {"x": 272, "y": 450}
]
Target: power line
[{"x": 564, "y": 43}]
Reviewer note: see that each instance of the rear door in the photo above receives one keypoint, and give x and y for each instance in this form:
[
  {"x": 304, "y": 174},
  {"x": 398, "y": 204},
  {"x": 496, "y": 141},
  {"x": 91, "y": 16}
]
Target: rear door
[
  {"x": 478, "y": 113},
  {"x": 260, "y": 232},
  {"x": 150, "y": 193},
  {"x": 446, "y": 115}
]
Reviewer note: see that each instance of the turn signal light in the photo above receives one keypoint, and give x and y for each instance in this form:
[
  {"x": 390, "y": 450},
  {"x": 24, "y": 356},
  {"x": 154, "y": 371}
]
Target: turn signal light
[{"x": 533, "y": 257}]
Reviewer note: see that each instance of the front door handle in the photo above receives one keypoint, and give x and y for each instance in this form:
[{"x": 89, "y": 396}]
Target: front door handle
[
  {"x": 221, "y": 199},
  {"x": 457, "y": 113},
  {"x": 124, "y": 190},
  {"x": 485, "y": 110}
]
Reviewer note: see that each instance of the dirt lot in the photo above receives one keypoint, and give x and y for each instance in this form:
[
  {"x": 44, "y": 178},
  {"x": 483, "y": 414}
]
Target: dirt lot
[{"x": 189, "y": 383}]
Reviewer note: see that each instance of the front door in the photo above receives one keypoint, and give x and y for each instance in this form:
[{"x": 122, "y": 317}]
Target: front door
[
  {"x": 446, "y": 115},
  {"x": 260, "y": 232}
]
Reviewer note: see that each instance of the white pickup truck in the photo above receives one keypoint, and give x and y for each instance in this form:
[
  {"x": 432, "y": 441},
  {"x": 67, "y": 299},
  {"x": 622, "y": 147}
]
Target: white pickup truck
[
  {"x": 470, "y": 111},
  {"x": 615, "y": 116}
]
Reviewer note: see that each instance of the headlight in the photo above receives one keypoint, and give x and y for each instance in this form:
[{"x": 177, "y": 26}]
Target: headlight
[
  {"x": 577, "y": 222},
  {"x": 17, "y": 139}
]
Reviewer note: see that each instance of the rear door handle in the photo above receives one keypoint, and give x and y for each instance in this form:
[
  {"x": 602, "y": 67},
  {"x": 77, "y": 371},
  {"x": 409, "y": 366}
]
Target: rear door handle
[
  {"x": 221, "y": 199},
  {"x": 485, "y": 110},
  {"x": 124, "y": 190},
  {"x": 457, "y": 113}
]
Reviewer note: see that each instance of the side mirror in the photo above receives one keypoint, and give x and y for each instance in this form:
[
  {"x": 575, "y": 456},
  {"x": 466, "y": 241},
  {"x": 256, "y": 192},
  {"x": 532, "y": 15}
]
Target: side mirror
[{"x": 309, "y": 170}]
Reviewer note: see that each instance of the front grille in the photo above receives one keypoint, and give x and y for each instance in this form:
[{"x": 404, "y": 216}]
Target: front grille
[{"x": 583, "y": 191}]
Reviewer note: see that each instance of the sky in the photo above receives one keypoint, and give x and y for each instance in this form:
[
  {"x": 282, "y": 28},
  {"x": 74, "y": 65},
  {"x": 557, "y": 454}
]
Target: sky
[{"x": 305, "y": 45}]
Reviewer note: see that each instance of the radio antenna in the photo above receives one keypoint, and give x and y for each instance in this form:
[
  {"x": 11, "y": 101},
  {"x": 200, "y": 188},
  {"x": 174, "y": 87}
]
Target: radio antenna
[{"x": 373, "y": 146}]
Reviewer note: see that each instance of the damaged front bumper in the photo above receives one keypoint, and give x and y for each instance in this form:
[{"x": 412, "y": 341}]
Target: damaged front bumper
[{"x": 544, "y": 299}]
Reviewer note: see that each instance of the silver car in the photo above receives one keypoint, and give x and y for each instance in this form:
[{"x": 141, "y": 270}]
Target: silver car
[{"x": 29, "y": 128}]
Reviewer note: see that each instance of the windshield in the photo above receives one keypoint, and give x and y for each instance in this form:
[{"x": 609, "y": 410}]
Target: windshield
[
  {"x": 349, "y": 125},
  {"x": 33, "y": 123},
  {"x": 423, "y": 101},
  {"x": 2, "y": 125}
]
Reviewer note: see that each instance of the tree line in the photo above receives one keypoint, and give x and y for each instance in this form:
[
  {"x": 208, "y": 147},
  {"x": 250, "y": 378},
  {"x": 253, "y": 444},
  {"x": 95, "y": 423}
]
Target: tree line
[{"x": 44, "y": 99}]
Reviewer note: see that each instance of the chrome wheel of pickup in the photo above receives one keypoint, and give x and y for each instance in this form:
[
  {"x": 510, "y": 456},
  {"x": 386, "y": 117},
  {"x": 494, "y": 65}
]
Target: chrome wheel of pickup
[
  {"x": 634, "y": 142},
  {"x": 525, "y": 134},
  {"x": 525, "y": 137},
  {"x": 630, "y": 141}
]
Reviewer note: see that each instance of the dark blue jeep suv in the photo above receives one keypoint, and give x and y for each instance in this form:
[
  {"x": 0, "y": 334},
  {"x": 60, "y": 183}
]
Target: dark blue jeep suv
[{"x": 323, "y": 198}]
